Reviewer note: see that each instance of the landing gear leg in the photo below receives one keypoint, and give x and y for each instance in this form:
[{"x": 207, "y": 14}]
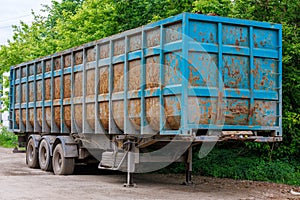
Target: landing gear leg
[
  {"x": 188, "y": 167},
  {"x": 130, "y": 169}
]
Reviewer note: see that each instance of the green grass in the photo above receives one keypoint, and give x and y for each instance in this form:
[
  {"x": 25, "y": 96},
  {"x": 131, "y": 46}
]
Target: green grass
[
  {"x": 241, "y": 165},
  {"x": 8, "y": 139}
]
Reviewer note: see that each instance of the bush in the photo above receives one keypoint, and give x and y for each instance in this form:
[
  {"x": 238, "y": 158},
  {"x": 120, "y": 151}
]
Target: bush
[{"x": 8, "y": 139}]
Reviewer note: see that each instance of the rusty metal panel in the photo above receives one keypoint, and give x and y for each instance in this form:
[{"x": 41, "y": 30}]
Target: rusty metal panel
[
  {"x": 90, "y": 82},
  {"x": 204, "y": 32},
  {"x": 57, "y": 88},
  {"x": 17, "y": 99},
  {"x": 152, "y": 72},
  {"x": 236, "y": 112},
  {"x": 78, "y": 57},
  {"x": 39, "y": 113},
  {"x": 57, "y": 64},
  {"x": 24, "y": 72},
  {"x": 39, "y": 91},
  {"x": 135, "y": 42},
  {"x": 173, "y": 32},
  {"x": 48, "y": 116},
  {"x": 265, "y": 113},
  {"x": 24, "y": 92},
  {"x": 104, "y": 51},
  {"x": 67, "y": 60},
  {"x": 31, "y": 91},
  {"x": 39, "y": 68},
  {"x": 118, "y": 114},
  {"x": 153, "y": 113},
  {"x": 104, "y": 114},
  {"x": 48, "y": 66},
  {"x": 78, "y": 84},
  {"x": 172, "y": 69},
  {"x": 67, "y": 86},
  {"x": 67, "y": 116},
  {"x": 235, "y": 35},
  {"x": 31, "y": 116},
  {"x": 265, "y": 74},
  {"x": 23, "y": 111},
  {"x": 265, "y": 38},
  {"x": 90, "y": 115},
  {"x": 91, "y": 54},
  {"x": 47, "y": 89},
  {"x": 31, "y": 70},
  {"x": 17, "y": 73},
  {"x": 103, "y": 80},
  {"x": 236, "y": 71},
  {"x": 202, "y": 110},
  {"x": 172, "y": 112},
  {"x": 118, "y": 77},
  {"x": 57, "y": 116},
  {"x": 78, "y": 116},
  {"x": 203, "y": 70},
  {"x": 119, "y": 47},
  {"x": 134, "y": 113},
  {"x": 134, "y": 75},
  {"x": 17, "y": 115},
  {"x": 153, "y": 37}
]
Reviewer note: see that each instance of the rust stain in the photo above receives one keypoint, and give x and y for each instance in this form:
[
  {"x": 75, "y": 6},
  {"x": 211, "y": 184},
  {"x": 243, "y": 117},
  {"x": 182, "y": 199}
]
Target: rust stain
[
  {"x": 47, "y": 89},
  {"x": 104, "y": 51},
  {"x": 67, "y": 86},
  {"x": 118, "y": 77},
  {"x": 118, "y": 114},
  {"x": 91, "y": 54},
  {"x": 119, "y": 47},
  {"x": 103, "y": 80},
  {"x": 67, "y": 116},
  {"x": 135, "y": 43},
  {"x": 90, "y": 115},
  {"x": 134, "y": 112},
  {"x": 134, "y": 74},
  {"x": 48, "y": 66},
  {"x": 153, "y": 113},
  {"x": 78, "y": 84},
  {"x": 104, "y": 114},
  {"x": 57, "y": 64},
  {"x": 67, "y": 61},
  {"x": 31, "y": 117},
  {"x": 57, "y": 88},
  {"x": 39, "y": 116},
  {"x": 17, "y": 115},
  {"x": 78, "y": 115},
  {"x": 90, "y": 82},
  {"x": 78, "y": 57}
]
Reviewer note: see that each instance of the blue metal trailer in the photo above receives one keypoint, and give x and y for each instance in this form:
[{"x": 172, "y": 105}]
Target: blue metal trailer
[{"x": 184, "y": 80}]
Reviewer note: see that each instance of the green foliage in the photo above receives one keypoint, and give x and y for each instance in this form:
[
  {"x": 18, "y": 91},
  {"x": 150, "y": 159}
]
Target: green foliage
[
  {"x": 8, "y": 139},
  {"x": 219, "y": 7}
]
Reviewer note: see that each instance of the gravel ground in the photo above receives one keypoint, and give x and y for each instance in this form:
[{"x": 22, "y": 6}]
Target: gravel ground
[{"x": 19, "y": 182}]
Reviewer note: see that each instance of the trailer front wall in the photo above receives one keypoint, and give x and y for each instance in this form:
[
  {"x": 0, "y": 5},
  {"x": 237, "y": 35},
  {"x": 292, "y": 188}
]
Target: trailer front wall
[{"x": 186, "y": 72}]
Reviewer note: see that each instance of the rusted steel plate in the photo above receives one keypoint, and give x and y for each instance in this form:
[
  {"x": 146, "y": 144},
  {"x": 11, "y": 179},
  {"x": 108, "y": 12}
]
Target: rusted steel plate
[
  {"x": 31, "y": 70},
  {"x": 135, "y": 42},
  {"x": 57, "y": 88},
  {"x": 24, "y": 72},
  {"x": 39, "y": 91},
  {"x": 24, "y": 117},
  {"x": 39, "y": 116},
  {"x": 57, "y": 64},
  {"x": 17, "y": 100},
  {"x": 134, "y": 113},
  {"x": 153, "y": 37},
  {"x": 24, "y": 92},
  {"x": 67, "y": 61},
  {"x": 90, "y": 82},
  {"x": 172, "y": 69},
  {"x": 57, "y": 116},
  {"x": 67, "y": 116},
  {"x": 104, "y": 51},
  {"x": 265, "y": 113},
  {"x": 202, "y": 110},
  {"x": 47, "y": 89},
  {"x": 152, "y": 72},
  {"x": 39, "y": 68},
  {"x": 236, "y": 71},
  {"x": 264, "y": 38},
  {"x": 67, "y": 86},
  {"x": 31, "y": 91},
  {"x": 91, "y": 54},
  {"x": 172, "y": 112},
  {"x": 78, "y": 116},
  {"x": 78, "y": 84},
  {"x": 103, "y": 80},
  {"x": 104, "y": 114},
  {"x": 265, "y": 74},
  {"x": 17, "y": 115},
  {"x": 134, "y": 75},
  {"x": 118, "y": 77},
  {"x": 90, "y": 115},
  {"x": 48, "y": 116},
  {"x": 48, "y": 66},
  {"x": 235, "y": 35},
  {"x": 203, "y": 70},
  {"x": 173, "y": 32},
  {"x": 119, "y": 47},
  {"x": 203, "y": 32},
  {"x": 236, "y": 112},
  {"x": 31, "y": 117},
  {"x": 153, "y": 112},
  {"x": 118, "y": 114},
  {"x": 18, "y": 73},
  {"x": 78, "y": 57}
]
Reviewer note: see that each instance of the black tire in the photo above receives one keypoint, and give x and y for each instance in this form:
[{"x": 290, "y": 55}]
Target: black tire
[
  {"x": 32, "y": 159},
  {"x": 45, "y": 160},
  {"x": 62, "y": 165}
]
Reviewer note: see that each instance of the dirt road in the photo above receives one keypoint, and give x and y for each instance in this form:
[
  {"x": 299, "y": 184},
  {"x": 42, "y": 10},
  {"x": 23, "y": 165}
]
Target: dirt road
[{"x": 19, "y": 182}]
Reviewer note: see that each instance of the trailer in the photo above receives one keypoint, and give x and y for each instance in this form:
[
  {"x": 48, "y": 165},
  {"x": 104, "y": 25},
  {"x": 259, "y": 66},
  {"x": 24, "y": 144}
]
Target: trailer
[{"x": 139, "y": 100}]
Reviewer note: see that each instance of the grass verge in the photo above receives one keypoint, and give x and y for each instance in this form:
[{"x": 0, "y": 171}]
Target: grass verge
[{"x": 7, "y": 138}]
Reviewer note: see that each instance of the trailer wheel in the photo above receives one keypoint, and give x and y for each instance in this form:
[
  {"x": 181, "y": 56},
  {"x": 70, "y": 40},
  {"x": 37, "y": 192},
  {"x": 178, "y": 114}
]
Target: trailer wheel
[
  {"x": 44, "y": 156},
  {"x": 32, "y": 155},
  {"x": 62, "y": 165}
]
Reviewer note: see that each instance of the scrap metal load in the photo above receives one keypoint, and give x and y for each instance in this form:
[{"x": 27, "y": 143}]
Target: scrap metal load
[{"x": 193, "y": 76}]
